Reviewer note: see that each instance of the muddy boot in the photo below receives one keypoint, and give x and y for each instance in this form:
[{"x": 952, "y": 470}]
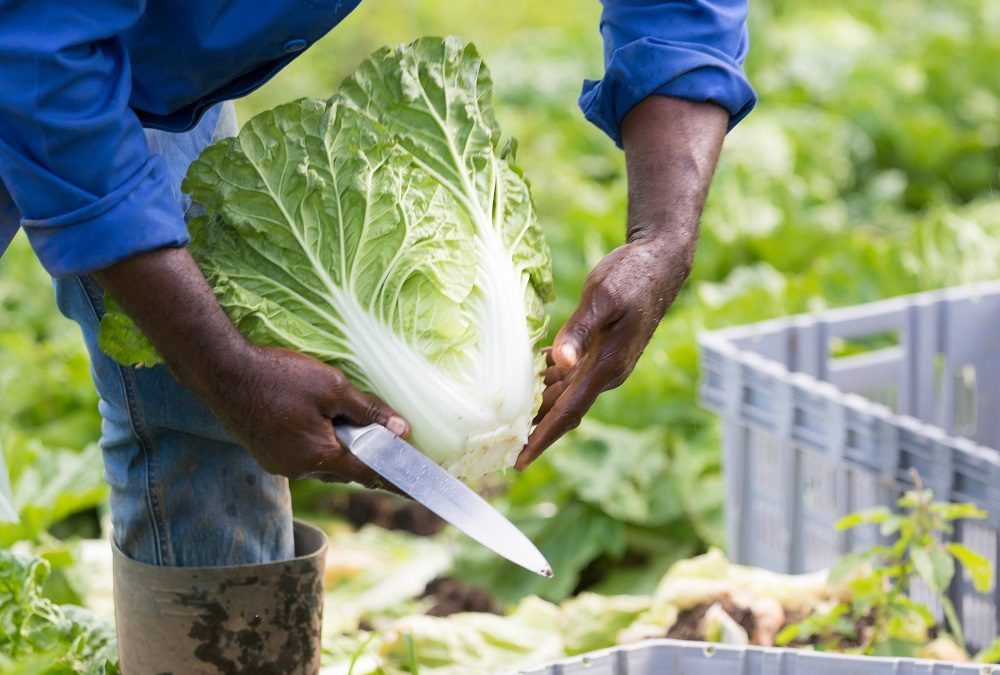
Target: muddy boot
[{"x": 247, "y": 619}]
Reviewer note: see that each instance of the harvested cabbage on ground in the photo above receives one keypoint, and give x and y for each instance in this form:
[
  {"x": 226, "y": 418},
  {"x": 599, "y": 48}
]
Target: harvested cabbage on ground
[
  {"x": 705, "y": 598},
  {"x": 377, "y": 606},
  {"x": 385, "y": 231},
  {"x": 537, "y": 631},
  {"x": 373, "y": 574}
]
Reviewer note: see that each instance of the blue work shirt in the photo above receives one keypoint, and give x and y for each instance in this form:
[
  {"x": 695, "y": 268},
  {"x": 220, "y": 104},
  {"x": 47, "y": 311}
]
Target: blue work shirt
[{"x": 80, "y": 80}]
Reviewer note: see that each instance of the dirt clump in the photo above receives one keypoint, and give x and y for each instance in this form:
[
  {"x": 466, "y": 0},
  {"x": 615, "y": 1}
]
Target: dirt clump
[
  {"x": 690, "y": 622},
  {"x": 452, "y": 596},
  {"x": 385, "y": 510}
]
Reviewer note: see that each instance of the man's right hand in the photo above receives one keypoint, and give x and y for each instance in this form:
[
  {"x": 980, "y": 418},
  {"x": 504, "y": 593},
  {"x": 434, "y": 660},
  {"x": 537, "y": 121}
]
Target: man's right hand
[{"x": 279, "y": 404}]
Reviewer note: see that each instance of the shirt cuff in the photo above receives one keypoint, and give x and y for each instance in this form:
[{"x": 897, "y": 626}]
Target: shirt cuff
[
  {"x": 141, "y": 215},
  {"x": 652, "y": 66}
]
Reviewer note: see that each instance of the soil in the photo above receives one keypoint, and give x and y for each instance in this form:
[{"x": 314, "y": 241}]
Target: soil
[
  {"x": 452, "y": 596},
  {"x": 689, "y": 622},
  {"x": 689, "y": 625},
  {"x": 384, "y": 510}
]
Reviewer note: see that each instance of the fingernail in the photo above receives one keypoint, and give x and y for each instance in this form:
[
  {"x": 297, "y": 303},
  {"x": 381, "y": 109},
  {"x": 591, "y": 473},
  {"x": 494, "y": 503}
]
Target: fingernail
[
  {"x": 397, "y": 425},
  {"x": 569, "y": 354}
]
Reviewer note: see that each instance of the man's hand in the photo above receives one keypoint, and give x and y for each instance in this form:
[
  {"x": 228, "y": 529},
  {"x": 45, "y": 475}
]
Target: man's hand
[
  {"x": 280, "y": 404},
  {"x": 671, "y": 147}
]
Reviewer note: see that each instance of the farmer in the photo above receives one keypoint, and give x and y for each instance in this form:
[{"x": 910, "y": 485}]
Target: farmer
[{"x": 105, "y": 103}]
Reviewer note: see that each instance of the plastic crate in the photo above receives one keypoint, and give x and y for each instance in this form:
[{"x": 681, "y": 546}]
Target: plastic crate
[
  {"x": 810, "y": 436},
  {"x": 672, "y": 657}
]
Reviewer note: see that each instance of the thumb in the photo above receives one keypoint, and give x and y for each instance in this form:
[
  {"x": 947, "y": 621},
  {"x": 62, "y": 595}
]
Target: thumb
[
  {"x": 575, "y": 336},
  {"x": 362, "y": 409}
]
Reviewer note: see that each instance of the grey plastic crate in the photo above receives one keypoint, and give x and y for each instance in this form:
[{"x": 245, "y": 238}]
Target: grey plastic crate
[
  {"x": 672, "y": 657},
  {"x": 809, "y": 437}
]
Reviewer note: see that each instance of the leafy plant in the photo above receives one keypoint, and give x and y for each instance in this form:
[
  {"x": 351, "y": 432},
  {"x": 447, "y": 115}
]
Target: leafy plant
[
  {"x": 39, "y": 636},
  {"x": 988, "y": 654},
  {"x": 880, "y": 618},
  {"x": 387, "y": 232},
  {"x": 48, "y": 485},
  {"x": 8, "y": 512}
]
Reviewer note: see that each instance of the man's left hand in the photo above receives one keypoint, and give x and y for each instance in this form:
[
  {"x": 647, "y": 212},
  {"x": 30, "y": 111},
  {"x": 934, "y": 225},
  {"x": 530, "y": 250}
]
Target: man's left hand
[
  {"x": 624, "y": 299},
  {"x": 671, "y": 147}
]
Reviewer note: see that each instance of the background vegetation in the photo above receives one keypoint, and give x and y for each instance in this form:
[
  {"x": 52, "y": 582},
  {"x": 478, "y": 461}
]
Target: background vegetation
[{"x": 869, "y": 169}]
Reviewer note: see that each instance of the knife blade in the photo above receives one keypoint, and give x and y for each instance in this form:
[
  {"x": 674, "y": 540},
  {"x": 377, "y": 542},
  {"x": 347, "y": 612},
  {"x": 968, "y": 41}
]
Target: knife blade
[{"x": 422, "y": 479}]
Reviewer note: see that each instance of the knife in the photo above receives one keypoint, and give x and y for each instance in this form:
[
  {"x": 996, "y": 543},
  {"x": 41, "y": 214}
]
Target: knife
[{"x": 422, "y": 479}]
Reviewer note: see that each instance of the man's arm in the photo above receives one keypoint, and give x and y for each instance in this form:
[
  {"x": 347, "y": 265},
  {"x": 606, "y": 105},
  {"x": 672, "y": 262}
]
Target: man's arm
[
  {"x": 673, "y": 84},
  {"x": 73, "y": 155},
  {"x": 689, "y": 49},
  {"x": 671, "y": 148},
  {"x": 278, "y": 403},
  {"x": 75, "y": 161}
]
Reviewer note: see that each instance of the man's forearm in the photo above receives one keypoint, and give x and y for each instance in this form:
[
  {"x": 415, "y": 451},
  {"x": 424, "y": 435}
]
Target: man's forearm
[
  {"x": 671, "y": 148},
  {"x": 167, "y": 296}
]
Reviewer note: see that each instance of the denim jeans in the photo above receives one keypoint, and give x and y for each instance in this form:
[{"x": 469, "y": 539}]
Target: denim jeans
[{"x": 183, "y": 492}]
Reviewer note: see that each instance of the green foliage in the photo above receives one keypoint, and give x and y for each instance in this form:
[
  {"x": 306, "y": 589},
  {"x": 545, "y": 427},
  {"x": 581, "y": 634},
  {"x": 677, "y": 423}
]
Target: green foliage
[
  {"x": 49, "y": 485},
  {"x": 989, "y": 654},
  {"x": 570, "y": 538},
  {"x": 45, "y": 380},
  {"x": 879, "y": 618},
  {"x": 620, "y": 471},
  {"x": 40, "y": 637},
  {"x": 615, "y": 493},
  {"x": 49, "y": 412}
]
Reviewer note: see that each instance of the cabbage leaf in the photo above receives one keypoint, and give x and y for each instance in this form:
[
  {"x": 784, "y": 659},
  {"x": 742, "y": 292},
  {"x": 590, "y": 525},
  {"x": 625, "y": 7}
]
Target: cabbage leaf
[{"x": 384, "y": 231}]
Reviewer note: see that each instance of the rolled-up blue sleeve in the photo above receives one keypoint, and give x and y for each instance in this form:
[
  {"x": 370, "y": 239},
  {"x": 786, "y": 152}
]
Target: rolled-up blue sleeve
[
  {"x": 690, "y": 49},
  {"x": 73, "y": 155}
]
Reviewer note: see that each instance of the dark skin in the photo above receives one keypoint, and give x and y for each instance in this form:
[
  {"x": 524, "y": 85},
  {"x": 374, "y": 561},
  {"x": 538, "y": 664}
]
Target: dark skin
[
  {"x": 671, "y": 148},
  {"x": 280, "y": 404}
]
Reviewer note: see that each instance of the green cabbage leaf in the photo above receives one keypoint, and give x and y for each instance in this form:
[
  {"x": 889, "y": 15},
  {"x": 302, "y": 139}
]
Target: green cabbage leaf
[{"x": 385, "y": 231}]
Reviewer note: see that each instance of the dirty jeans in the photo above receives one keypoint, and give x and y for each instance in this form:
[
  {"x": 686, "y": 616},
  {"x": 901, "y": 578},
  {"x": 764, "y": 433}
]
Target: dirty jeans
[{"x": 183, "y": 492}]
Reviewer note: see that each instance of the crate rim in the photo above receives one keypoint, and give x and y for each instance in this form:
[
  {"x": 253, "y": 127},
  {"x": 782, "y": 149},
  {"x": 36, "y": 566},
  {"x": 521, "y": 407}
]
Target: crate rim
[
  {"x": 971, "y": 291},
  {"x": 710, "y": 649}
]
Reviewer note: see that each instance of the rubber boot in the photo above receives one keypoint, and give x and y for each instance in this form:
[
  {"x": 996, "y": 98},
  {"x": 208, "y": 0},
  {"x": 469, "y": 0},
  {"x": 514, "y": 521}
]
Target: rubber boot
[{"x": 247, "y": 619}]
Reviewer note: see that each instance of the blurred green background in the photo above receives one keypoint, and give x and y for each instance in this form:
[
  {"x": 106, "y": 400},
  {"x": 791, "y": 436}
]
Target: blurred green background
[{"x": 870, "y": 168}]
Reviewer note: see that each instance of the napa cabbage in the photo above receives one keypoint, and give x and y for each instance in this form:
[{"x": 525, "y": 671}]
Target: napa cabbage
[{"x": 385, "y": 231}]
